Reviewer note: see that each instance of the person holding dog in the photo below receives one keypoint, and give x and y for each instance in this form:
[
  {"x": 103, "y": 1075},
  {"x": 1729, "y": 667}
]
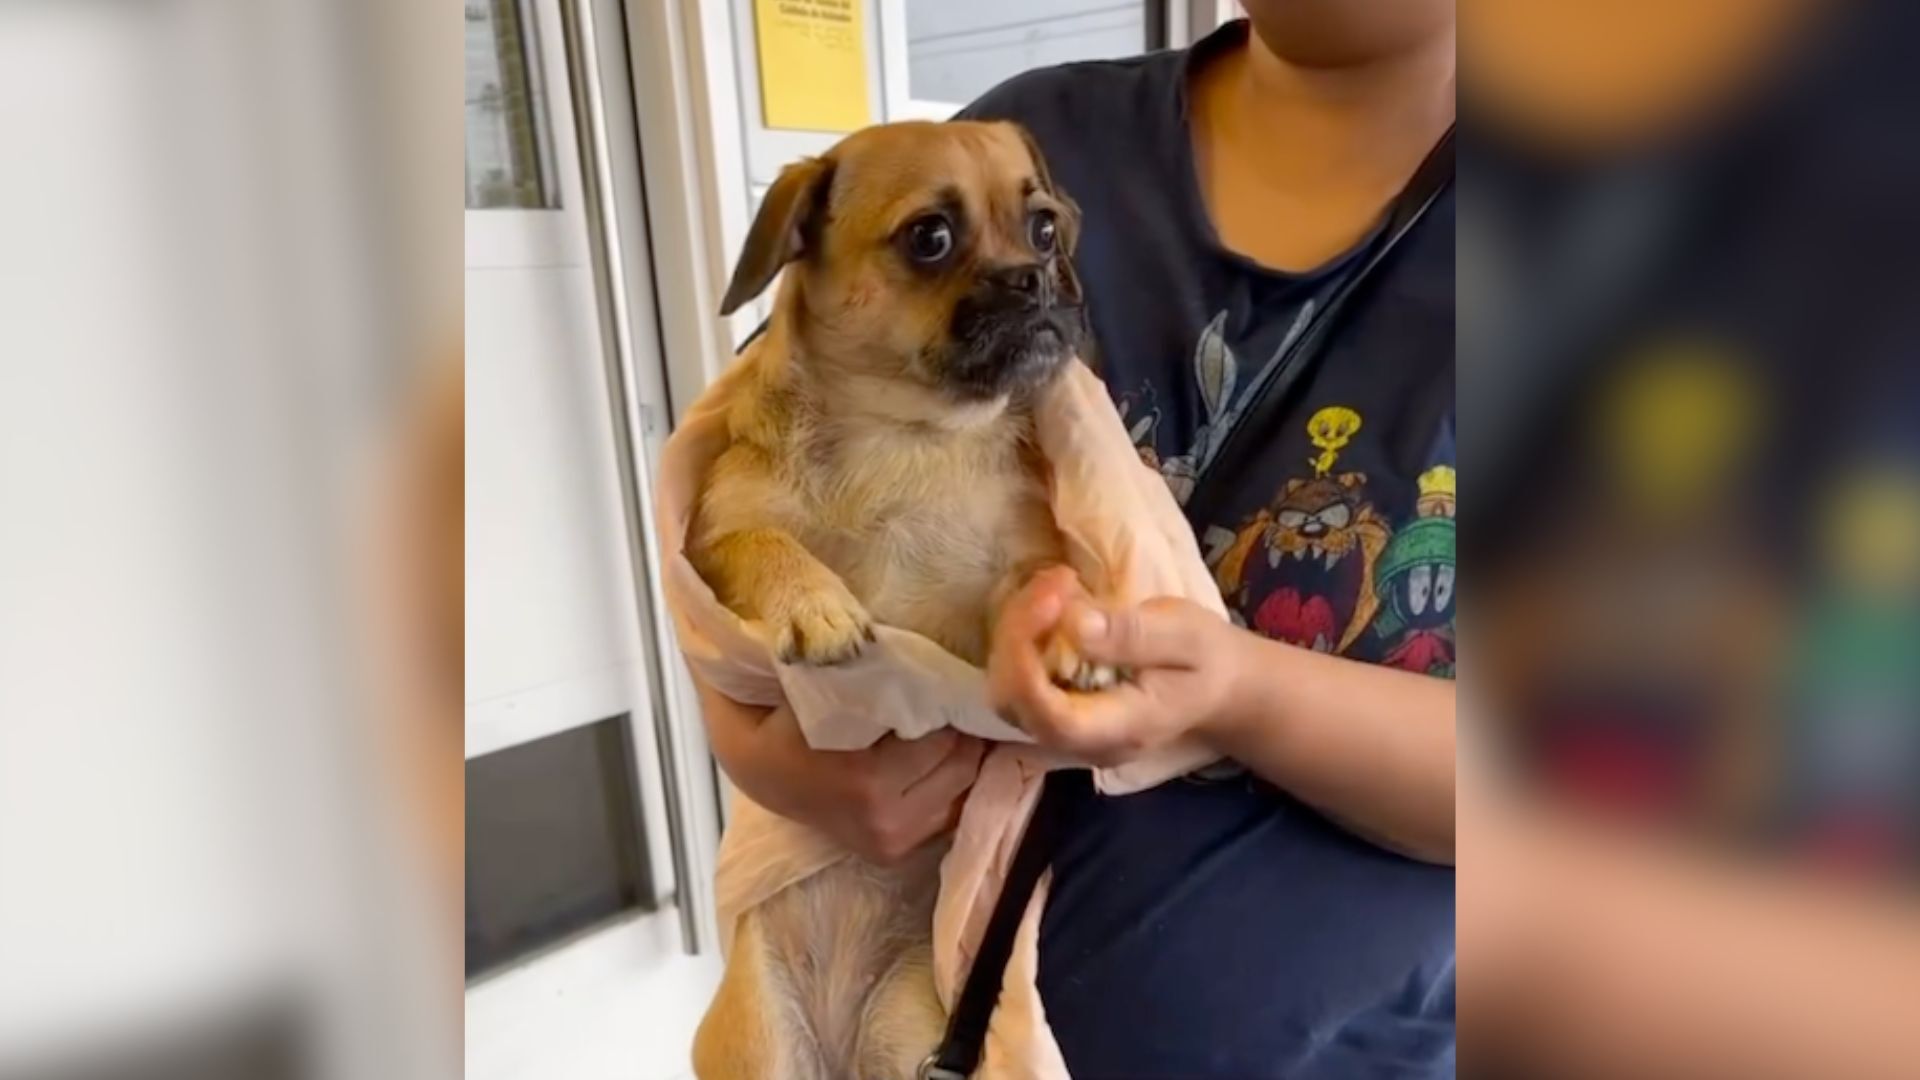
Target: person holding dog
[{"x": 1267, "y": 256}]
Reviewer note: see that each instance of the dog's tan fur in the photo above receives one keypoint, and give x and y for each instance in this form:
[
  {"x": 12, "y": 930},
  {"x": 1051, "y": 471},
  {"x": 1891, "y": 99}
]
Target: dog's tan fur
[{"x": 857, "y": 490}]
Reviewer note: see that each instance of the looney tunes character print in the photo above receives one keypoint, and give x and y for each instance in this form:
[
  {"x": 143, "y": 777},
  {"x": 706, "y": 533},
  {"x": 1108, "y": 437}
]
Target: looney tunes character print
[
  {"x": 1217, "y": 373},
  {"x": 1140, "y": 413},
  {"x": 1415, "y": 581},
  {"x": 1304, "y": 566}
]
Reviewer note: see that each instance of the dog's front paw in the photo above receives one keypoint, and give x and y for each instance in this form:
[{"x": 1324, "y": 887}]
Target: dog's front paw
[
  {"x": 1075, "y": 672},
  {"x": 821, "y": 627}
]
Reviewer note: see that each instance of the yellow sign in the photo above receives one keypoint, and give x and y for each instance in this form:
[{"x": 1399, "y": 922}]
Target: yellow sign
[{"x": 813, "y": 64}]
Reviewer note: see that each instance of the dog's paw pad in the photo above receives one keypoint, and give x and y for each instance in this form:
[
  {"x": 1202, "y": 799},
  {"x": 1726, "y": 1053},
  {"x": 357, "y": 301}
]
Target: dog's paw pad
[{"x": 823, "y": 630}]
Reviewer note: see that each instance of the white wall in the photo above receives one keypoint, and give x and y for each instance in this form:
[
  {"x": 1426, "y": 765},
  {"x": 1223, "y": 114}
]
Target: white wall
[{"x": 551, "y": 622}]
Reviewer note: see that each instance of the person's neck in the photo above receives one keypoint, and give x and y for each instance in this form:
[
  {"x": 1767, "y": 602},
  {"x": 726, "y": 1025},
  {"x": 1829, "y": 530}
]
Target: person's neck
[{"x": 1362, "y": 121}]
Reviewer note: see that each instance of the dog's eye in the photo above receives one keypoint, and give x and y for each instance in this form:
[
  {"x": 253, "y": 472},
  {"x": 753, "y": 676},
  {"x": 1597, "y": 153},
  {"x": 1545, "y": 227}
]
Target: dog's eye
[
  {"x": 1043, "y": 231},
  {"x": 929, "y": 239}
]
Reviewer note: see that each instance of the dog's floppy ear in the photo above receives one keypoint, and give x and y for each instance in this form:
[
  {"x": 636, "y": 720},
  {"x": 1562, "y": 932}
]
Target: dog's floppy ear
[{"x": 788, "y": 221}]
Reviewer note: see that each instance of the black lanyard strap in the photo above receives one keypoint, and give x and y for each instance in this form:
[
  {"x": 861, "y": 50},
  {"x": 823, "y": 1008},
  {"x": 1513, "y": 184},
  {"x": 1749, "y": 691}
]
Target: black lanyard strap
[{"x": 959, "y": 1051}]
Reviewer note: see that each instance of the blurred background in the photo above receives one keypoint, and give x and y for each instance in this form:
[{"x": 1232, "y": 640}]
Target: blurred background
[
  {"x": 229, "y": 349},
  {"x": 1690, "y": 807}
]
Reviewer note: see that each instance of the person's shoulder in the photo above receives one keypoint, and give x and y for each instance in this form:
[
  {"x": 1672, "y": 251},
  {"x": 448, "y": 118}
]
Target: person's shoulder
[{"x": 1070, "y": 95}]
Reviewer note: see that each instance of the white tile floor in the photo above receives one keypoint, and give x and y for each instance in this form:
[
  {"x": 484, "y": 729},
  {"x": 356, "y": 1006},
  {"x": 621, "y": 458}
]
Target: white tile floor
[{"x": 621, "y": 1003}]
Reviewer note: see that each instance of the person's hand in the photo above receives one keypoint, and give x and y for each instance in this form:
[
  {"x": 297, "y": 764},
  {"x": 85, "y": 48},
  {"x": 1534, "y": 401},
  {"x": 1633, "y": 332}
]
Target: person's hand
[
  {"x": 882, "y": 802},
  {"x": 1185, "y": 664}
]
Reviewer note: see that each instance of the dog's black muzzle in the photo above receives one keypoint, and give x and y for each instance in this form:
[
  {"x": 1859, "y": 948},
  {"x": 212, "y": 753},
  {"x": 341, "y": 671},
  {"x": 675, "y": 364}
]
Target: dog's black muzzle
[{"x": 1011, "y": 333}]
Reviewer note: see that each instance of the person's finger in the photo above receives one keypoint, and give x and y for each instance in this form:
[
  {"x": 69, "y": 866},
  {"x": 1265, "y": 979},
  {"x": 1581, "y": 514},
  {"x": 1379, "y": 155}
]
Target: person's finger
[
  {"x": 932, "y": 806},
  {"x": 1018, "y": 685},
  {"x": 1158, "y": 633},
  {"x": 1037, "y": 606},
  {"x": 1014, "y": 667},
  {"x": 1027, "y": 696},
  {"x": 905, "y": 762},
  {"x": 953, "y": 774},
  {"x": 1106, "y": 728}
]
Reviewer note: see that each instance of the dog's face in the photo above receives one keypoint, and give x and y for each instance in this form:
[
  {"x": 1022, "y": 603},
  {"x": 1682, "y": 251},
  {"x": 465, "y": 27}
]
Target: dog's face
[{"x": 936, "y": 254}]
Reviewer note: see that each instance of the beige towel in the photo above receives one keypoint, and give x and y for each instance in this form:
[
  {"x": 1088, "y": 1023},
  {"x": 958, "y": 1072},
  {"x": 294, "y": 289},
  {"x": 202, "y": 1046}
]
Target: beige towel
[{"x": 1127, "y": 540}]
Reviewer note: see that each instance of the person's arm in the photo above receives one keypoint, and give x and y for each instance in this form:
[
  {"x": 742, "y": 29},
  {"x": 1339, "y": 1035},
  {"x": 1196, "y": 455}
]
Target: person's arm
[
  {"x": 881, "y": 802},
  {"x": 1372, "y": 748},
  {"x": 1596, "y": 953}
]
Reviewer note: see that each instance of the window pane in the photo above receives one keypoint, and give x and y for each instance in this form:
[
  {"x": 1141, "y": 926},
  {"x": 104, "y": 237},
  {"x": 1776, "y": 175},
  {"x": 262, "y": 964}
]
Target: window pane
[
  {"x": 553, "y": 841},
  {"x": 958, "y": 51},
  {"x": 509, "y": 155}
]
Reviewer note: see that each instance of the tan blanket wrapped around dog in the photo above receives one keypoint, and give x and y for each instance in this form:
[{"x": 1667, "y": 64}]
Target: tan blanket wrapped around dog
[{"x": 1126, "y": 538}]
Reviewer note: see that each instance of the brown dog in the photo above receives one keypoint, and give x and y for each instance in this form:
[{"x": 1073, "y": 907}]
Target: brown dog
[{"x": 882, "y": 469}]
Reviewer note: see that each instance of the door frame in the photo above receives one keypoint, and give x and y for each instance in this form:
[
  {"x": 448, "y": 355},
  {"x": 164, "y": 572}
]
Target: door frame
[{"x": 599, "y": 214}]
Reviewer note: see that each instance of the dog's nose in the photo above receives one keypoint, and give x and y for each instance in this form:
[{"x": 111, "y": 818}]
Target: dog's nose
[{"x": 1028, "y": 281}]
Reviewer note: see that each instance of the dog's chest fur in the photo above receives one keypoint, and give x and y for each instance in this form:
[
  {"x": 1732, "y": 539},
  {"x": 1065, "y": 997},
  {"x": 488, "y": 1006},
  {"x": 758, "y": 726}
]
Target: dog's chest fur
[{"x": 926, "y": 525}]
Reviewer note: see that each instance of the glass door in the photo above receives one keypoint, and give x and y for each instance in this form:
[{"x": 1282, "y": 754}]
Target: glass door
[
  {"x": 589, "y": 796},
  {"x": 939, "y": 55}
]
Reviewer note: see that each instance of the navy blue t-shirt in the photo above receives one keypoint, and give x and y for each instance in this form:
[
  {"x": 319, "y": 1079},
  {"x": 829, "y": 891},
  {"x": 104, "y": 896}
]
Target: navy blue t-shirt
[{"x": 1215, "y": 926}]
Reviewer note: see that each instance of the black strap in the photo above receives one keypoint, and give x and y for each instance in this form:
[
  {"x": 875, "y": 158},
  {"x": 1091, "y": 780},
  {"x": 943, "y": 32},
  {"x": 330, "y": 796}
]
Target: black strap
[
  {"x": 959, "y": 1051},
  {"x": 1221, "y": 476}
]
